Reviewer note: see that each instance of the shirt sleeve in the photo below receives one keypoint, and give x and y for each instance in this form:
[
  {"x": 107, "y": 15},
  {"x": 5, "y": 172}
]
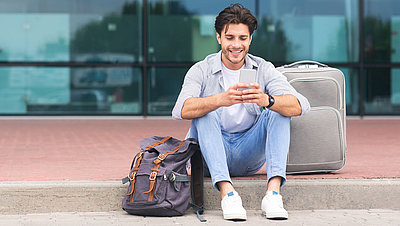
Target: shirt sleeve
[
  {"x": 191, "y": 88},
  {"x": 277, "y": 84}
]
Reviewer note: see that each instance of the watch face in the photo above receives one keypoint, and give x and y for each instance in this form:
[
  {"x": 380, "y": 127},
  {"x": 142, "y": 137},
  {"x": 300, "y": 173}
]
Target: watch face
[
  {"x": 271, "y": 98},
  {"x": 271, "y": 101}
]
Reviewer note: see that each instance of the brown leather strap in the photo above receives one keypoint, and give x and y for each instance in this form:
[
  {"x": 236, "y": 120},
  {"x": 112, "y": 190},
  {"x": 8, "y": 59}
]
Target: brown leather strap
[
  {"x": 152, "y": 179},
  {"x": 158, "y": 143},
  {"x": 155, "y": 170},
  {"x": 138, "y": 161},
  {"x": 132, "y": 193},
  {"x": 161, "y": 157},
  {"x": 132, "y": 177}
]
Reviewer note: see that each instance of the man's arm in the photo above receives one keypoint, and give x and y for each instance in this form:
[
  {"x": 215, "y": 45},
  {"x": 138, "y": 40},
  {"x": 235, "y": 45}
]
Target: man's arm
[
  {"x": 286, "y": 105},
  {"x": 195, "y": 107}
]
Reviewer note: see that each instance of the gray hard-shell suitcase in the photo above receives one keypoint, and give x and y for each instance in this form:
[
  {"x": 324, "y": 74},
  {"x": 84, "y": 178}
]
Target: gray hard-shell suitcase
[{"x": 318, "y": 138}]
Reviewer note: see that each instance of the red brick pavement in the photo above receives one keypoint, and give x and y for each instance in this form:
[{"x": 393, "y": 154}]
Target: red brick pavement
[{"x": 46, "y": 150}]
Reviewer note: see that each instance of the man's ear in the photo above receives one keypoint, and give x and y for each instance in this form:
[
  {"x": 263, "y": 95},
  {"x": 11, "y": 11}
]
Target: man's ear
[
  {"x": 218, "y": 38},
  {"x": 251, "y": 38}
]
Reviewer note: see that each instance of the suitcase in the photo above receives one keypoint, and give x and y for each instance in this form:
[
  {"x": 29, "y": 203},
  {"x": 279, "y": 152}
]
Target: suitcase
[{"x": 318, "y": 138}]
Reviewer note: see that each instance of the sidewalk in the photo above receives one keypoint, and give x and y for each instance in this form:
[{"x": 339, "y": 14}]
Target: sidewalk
[
  {"x": 102, "y": 150},
  {"x": 75, "y": 165},
  {"x": 310, "y": 218}
]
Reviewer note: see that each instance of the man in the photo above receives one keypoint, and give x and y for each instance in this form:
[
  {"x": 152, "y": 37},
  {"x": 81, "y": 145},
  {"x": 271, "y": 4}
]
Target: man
[{"x": 240, "y": 130}]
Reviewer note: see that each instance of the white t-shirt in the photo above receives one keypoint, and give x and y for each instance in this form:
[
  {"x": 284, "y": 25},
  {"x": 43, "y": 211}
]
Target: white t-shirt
[{"x": 234, "y": 118}]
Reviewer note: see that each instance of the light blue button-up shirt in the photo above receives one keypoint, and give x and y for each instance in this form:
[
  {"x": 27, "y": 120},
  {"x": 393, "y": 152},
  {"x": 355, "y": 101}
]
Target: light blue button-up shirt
[{"x": 205, "y": 79}]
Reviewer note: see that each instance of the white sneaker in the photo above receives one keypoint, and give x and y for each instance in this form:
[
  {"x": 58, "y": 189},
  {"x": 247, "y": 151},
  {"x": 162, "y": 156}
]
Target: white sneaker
[
  {"x": 232, "y": 208},
  {"x": 272, "y": 206}
]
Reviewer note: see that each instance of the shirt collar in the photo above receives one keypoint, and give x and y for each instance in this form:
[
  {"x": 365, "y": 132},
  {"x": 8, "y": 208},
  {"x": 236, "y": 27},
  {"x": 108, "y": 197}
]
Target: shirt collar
[{"x": 217, "y": 63}]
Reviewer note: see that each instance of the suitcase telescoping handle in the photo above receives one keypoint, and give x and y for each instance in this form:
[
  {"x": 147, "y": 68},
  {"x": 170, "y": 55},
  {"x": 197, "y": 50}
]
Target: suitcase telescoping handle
[{"x": 306, "y": 63}]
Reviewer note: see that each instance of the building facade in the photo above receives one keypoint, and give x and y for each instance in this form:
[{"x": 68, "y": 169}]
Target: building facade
[{"x": 129, "y": 57}]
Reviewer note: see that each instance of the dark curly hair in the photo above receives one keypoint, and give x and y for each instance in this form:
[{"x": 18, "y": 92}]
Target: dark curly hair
[{"x": 235, "y": 14}]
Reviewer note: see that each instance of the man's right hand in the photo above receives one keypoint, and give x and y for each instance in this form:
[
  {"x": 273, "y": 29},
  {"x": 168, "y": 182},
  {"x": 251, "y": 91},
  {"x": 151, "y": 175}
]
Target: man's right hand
[
  {"x": 195, "y": 107},
  {"x": 232, "y": 95}
]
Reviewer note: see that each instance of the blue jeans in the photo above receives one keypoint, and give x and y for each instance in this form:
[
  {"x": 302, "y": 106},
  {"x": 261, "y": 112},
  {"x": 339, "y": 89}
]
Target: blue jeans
[{"x": 242, "y": 154}]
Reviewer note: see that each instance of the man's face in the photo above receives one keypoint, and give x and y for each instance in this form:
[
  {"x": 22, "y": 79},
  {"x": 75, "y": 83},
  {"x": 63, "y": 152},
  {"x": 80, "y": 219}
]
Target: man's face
[{"x": 235, "y": 44}]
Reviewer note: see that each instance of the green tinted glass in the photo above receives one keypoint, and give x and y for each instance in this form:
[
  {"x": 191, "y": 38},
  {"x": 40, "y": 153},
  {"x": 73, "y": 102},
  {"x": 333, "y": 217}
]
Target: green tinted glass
[
  {"x": 321, "y": 30},
  {"x": 63, "y": 90},
  {"x": 183, "y": 31},
  {"x": 62, "y": 31},
  {"x": 162, "y": 97},
  {"x": 351, "y": 90},
  {"x": 382, "y": 31},
  {"x": 382, "y": 91},
  {"x": 23, "y": 87}
]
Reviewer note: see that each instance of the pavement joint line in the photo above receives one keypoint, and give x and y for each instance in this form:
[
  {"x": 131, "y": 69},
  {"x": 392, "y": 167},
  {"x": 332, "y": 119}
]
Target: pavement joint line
[
  {"x": 214, "y": 217},
  {"x": 298, "y": 194},
  {"x": 113, "y": 183}
]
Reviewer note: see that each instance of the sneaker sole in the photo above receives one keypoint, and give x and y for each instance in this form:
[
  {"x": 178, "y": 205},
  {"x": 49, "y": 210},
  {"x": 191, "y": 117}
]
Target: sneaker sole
[
  {"x": 276, "y": 215},
  {"x": 235, "y": 217}
]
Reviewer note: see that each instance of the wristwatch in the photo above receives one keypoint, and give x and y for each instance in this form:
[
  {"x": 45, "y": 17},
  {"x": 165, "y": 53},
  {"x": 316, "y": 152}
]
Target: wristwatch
[{"x": 271, "y": 101}]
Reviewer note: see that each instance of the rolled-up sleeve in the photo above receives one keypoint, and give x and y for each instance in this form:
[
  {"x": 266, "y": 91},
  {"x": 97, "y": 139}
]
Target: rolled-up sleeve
[
  {"x": 277, "y": 84},
  {"x": 191, "y": 88}
]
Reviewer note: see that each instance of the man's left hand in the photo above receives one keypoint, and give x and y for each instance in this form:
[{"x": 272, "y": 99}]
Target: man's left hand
[{"x": 255, "y": 95}]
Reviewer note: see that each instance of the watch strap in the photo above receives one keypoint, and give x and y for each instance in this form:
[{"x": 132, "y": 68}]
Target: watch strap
[{"x": 271, "y": 101}]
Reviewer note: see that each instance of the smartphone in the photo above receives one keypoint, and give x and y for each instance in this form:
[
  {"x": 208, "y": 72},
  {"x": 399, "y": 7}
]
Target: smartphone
[{"x": 247, "y": 76}]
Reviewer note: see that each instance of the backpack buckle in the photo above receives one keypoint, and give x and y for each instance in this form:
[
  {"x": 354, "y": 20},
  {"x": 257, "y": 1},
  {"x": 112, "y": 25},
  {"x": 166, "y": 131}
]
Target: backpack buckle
[
  {"x": 153, "y": 175},
  {"x": 161, "y": 157},
  {"x": 172, "y": 177},
  {"x": 132, "y": 176}
]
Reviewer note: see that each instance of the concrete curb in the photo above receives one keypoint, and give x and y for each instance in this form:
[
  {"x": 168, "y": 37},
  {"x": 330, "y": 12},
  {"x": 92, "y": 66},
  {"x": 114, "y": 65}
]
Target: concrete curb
[{"x": 103, "y": 196}]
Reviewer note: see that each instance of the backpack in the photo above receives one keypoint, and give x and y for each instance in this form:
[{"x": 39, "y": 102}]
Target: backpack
[{"x": 159, "y": 182}]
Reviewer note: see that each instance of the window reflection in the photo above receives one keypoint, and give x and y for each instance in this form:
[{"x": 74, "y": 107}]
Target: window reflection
[
  {"x": 162, "y": 97},
  {"x": 395, "y": 40},
  {"x": 22, "y": 87},
  {"x": 351, "y": 90},
  {"x": 293, "y": 30},
  {"x": 56, "y": 34},
  {"x": 34, "y": 37},
  {"x": 382, "y": 91},
  {"x": 382, "y": 31},
  {"x": 62, "y": 31},
  {"x": 183, "y": 31},
  {"x": 61, "y": 90},
  {"x": 106, "y": 90}
]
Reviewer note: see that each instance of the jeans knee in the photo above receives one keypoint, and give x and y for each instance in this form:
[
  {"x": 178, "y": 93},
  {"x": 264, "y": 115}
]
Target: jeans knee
[
  {"x": 207, "y": 119},
  {"x": 275, "y": 116}
]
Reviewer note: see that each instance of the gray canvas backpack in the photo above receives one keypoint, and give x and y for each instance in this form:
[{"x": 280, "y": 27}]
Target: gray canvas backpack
[{"x": 159, "y": 182}]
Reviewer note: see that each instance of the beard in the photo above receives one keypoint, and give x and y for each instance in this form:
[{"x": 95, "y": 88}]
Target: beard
[{"x": 232, "y": 59}]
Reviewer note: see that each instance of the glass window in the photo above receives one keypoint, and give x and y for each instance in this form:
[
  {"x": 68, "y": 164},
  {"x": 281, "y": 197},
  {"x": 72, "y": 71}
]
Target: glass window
[
  {"x": 321, "y": 30},
  {"x": 63, "y": 90},
  {"x": 115, "y": 90},
  {"x": 62, "y": 31},
  {"x": 351, "y": 90},
  {"x": 382, "y": 91},
  {"x": 382, "y": 31},
  {"x": 183, "y": 31},
  {"x": 21, "y": 87},
  {"x": 162, "y": 97}
]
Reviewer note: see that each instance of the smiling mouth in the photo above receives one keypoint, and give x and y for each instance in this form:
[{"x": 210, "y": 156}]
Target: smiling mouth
[{"x": 236, "y": 51}]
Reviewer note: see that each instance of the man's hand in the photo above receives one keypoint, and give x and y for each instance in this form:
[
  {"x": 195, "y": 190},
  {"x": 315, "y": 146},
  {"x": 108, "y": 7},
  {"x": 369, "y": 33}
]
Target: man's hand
[
  {"x": 255, "y": 95},
  {"x": 232, "y": 95},
  {"x": 195, "y": 107},
  {"x": 286, "y": 105}
]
